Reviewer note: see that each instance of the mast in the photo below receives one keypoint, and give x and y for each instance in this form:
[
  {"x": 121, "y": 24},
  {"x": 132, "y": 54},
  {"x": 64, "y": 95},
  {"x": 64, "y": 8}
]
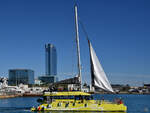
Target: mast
[{"x": 78, "y": 48}]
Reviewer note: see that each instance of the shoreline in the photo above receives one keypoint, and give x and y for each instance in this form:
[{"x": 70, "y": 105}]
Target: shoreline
[
  {"x": 19, "y": 95},
  {"x": 10, "y": 96},
  {"x": 133, "y": 93}
]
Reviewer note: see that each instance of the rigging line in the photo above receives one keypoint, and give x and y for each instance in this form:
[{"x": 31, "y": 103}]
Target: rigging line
[
  {"x": 75, "y": 2},
  {"x": 83, "y": 28},
  {"x": 87, "y": 37}
]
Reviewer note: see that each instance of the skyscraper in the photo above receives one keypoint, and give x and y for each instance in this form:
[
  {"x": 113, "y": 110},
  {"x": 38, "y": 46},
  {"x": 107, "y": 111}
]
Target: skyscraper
[
  {"x": 50, "y": 65},
  {"x": 50, "y": 59}
]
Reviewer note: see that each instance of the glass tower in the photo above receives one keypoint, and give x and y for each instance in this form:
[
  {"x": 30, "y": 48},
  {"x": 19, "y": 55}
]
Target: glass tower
[
  {"x": 50, "y": 65},
  {"x": 18, "y": 76},
  {"x": 51, "y": 59}
]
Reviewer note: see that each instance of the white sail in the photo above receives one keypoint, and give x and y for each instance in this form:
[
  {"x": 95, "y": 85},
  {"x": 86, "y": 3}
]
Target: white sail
[{"x": 99, "y": 78}]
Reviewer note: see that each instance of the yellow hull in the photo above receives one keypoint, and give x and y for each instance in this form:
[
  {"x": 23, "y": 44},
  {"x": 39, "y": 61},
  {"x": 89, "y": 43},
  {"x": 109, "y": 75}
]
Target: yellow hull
[{"x": 88, "y": 105}]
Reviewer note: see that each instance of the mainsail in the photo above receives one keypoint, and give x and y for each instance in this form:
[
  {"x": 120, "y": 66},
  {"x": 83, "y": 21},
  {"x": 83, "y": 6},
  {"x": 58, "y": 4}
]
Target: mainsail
[{"x": 98, "y": 75}]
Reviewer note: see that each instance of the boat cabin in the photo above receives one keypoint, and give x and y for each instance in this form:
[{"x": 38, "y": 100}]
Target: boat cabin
[{"x": 65, "y": 96}]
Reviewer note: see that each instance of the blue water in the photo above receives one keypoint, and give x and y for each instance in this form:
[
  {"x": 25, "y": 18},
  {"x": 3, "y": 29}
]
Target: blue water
[{"x": 135, "y": 103}]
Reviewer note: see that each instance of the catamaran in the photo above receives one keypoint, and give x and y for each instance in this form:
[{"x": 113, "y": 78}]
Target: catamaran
[{"x": 79, "y": 100}]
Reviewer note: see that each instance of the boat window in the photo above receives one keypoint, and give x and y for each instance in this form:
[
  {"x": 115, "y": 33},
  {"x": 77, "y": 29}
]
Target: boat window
[
  {"x": 62, "y": 97},
  {"x": 79, "y": 97},
  {"x": 87, "y": 97},
  {"x": 44, "y": 98},
  {"x": 83, "y": 97},
  {"x": 70, "y": 97}
]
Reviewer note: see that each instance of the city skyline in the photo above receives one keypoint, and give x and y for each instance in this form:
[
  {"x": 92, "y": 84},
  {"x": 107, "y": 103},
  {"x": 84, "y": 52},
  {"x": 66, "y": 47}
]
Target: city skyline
[{"x": 118, "y": 30}]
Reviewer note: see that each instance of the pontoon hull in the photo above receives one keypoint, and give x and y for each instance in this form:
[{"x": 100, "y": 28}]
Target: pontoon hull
[{"x": 90, "y": 106}]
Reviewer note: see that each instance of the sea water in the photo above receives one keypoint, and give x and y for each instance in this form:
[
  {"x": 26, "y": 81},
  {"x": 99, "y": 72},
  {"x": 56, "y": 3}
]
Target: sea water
[{"x": 135, "y": 103}]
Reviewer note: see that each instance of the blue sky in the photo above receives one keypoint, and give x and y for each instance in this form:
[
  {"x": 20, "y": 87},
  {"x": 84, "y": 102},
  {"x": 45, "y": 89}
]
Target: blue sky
[{"x": 119, "y": 31}]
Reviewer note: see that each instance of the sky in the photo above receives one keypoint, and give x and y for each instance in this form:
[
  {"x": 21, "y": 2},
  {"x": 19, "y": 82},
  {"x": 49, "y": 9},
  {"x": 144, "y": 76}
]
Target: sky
[{"x": 119, "y": 31}]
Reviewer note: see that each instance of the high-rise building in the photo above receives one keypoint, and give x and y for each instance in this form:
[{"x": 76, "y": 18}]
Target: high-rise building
[
  {"x": 50, "y": 65},
  {"x": 18, "y": 76},
  {"x": 50, "y": 59}
]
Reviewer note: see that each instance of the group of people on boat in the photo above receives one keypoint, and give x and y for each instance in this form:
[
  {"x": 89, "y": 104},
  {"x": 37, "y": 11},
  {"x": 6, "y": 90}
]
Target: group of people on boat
[{"x": 118, "y": 101}]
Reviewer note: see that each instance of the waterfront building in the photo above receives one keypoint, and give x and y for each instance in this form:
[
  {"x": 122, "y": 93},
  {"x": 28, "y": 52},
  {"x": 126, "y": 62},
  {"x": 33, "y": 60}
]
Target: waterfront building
[
  {"x": 37, "y": 82},
  {"x": 46, "y": 79},
  {"x": 18, "y": 76},
  {"x": 67, "y": 84},
  {"x": 147, "y": 86}
]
